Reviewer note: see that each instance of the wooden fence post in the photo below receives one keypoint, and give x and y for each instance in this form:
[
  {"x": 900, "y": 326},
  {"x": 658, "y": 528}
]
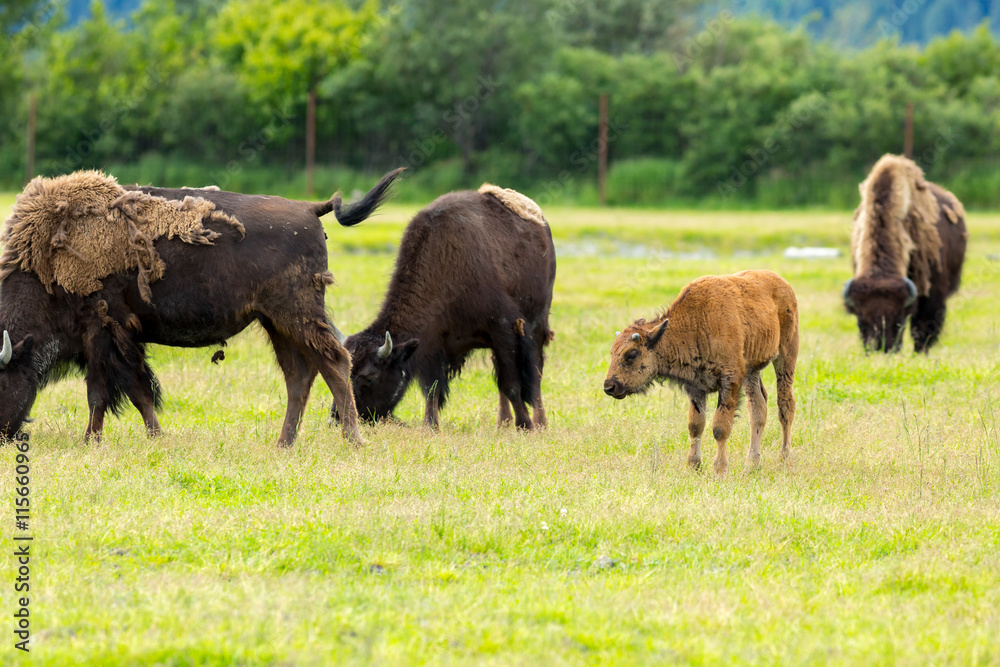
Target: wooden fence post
[{"x": 602, "y": 151}]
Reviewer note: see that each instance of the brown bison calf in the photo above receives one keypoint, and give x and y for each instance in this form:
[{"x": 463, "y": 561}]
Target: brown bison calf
[{"x": 717, "y": 336}]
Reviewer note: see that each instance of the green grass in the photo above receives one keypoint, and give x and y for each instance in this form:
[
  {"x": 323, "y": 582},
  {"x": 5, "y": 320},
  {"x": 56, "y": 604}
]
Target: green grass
[{"x": 589, "y": 543}]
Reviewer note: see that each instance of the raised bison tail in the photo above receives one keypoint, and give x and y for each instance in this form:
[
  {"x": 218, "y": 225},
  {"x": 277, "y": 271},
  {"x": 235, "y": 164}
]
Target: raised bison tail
[{"x": 352, "y": 214}]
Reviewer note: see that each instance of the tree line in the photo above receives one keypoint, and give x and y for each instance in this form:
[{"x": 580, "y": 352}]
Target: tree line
[{"x": 708, "y": 106}]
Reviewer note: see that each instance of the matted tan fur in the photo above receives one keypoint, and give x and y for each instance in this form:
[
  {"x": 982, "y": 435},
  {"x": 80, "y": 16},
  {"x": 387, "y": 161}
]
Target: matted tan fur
[
  {"x": 911, "y": 215},
  {"x": 523, "y": 206},
  {"x": 75, "y": 230}
]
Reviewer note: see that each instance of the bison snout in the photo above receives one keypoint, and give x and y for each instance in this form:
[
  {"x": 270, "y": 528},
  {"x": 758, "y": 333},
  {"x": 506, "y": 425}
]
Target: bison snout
[{"x": 614, "y": 388}]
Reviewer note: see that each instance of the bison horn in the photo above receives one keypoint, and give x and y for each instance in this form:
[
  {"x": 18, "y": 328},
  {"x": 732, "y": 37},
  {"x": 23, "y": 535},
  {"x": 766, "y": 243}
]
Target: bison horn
[
  {"x": 338, "y": 334},
  {"x": 635, "y": 338},
  {"x": 847, "y": 293},
  {"x": 7, "y": 351},
  {"x": 912, "y": 296},
  {"x": 386, "y": 349}
]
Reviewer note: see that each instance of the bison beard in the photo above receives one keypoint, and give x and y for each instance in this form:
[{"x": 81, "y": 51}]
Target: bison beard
[
  {"x": 475, "y": 270},
  {"x": 716, "y": 337},
  {"x": 274, "y": 274}
]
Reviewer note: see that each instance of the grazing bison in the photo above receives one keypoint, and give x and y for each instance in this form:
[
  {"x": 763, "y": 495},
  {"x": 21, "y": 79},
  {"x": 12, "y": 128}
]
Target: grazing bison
[
  {"x": 475, "y": 270},
  {"x": 92, "y": 272},
  {"x": 717, "y": 336},
  {"x": 907, "y": 248}
]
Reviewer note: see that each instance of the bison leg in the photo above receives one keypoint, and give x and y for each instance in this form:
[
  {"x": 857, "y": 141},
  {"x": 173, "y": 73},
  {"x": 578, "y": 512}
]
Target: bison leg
[
  {"x": 145, "y": 405},
  {"x": 431, "y": 405},
  {"x": 333, "y": 362},
  {"x": 722, "y": 423},
  {"x": 508, "y": 352},
  {"x": 541, "y": 335},
  {"x": 927, "y": 322},
  {"x": 337, "y": 376},
  {"x": 97, "y": 403},
  {"x": 538, "y": 410},
  {"x": 696, "y": 426},
  {"x": 299, "y": 377},
  {"x": 758, "y": 417},
  {"x": 504, "y": 416},
  {"x": 784, "y": 369},
  {"x": 96, "y": 422}
]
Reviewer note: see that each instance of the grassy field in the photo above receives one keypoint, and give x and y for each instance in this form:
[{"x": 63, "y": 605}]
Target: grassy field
[{"x": 588, "y": 543}]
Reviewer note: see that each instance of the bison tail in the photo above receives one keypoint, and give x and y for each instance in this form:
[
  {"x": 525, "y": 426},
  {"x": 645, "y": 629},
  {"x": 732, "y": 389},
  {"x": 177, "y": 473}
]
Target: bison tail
[
  {"x": 527, "y": 369},
  {"x": 352, "y": 214}
]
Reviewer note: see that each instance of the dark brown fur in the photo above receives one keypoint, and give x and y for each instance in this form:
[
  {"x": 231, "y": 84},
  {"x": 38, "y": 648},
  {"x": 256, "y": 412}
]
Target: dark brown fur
[
  {"x": 908, "y": 247},
  {"x": 470, "y": 274},
  {"x": 275, "y": 275},
  {"x": 716, "y": 337}
]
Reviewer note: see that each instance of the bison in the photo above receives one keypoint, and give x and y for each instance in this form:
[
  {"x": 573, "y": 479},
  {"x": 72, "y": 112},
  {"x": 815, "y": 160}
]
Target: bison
[
  {"x": 907, "y": 249},
  {"x": 717, "y": 336},
  {"x": 92, "y": 273},
  {"x": 475, "y": 270}
]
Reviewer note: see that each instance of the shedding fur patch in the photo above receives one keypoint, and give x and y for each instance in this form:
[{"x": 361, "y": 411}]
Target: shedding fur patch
[
  {"x": 896, "y": 224},
  {"x": 323, "y": 279},
  {"x": 75, "y": 230},
  {"x": 523, "y": 206}
]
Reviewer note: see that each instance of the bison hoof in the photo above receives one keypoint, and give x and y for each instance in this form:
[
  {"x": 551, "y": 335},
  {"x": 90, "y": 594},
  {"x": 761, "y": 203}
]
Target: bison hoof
[
  {"x": 694, "y": 463},
  {"x": 721, "y": 467}
]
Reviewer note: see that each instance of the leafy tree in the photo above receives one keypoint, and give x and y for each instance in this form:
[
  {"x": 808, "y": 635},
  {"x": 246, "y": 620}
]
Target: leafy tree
[{"x": 284, "y": 50}]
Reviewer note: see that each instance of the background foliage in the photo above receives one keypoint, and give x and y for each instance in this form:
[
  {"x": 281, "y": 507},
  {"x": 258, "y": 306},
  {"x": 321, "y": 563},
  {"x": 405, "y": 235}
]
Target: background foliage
[{"x": 710, "y": 104}]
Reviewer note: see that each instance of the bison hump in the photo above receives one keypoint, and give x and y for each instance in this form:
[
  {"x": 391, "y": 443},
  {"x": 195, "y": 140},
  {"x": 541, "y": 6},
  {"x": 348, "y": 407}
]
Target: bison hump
[{"x": 521, "y": 205}]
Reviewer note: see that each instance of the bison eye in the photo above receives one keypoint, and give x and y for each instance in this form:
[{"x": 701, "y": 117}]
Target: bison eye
[{"x": 632, "y": 355}]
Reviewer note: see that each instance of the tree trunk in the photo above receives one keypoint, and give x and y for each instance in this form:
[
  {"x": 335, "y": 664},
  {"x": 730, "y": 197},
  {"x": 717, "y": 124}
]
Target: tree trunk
[{"x": 311, "y": 142}]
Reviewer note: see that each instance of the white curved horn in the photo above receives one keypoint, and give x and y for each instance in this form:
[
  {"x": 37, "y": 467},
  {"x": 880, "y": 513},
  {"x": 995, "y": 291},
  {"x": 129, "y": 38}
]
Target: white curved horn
[
  {"x": 338, "y": 334},
  {"x": 7, "y": 351},
  {"x": 386, "y": 349}
]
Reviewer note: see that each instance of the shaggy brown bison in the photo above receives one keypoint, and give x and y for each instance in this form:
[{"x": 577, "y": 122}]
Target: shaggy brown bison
[
  {"x": 91, "y": 273},
  {"x": 717, "y": 336},
  {"x": 907, "y": 248},
  {"x": 474, "y": 270}
]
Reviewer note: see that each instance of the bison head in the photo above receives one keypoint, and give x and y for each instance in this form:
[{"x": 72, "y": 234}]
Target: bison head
[
  {"x": 881, "y": 306},
  {"x": 18, "y": 384},
  {"x": 633, "y": 359},
  {"x": 380, "y": 372}
]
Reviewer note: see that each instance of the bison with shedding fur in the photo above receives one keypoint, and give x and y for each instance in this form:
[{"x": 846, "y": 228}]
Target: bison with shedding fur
[
  {"x": 474, "y": 270},
  {"x": 907, "y": 249},
  {"x": 716, "y": 337},
  {"x": 170, "y": 279}
]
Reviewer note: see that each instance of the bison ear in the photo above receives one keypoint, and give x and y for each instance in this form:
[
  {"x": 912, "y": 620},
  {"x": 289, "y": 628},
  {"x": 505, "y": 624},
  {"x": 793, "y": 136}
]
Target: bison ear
[
  {"x": 657, "y": 333},
  {"x": 24, "y": 347},
  {"x": 406, "y": 350}
]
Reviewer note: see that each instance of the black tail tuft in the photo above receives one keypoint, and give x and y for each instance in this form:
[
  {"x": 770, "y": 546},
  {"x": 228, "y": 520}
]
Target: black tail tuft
[
  {"x": 352, "y": 214},
  {"x": 527, "y": 369}
]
